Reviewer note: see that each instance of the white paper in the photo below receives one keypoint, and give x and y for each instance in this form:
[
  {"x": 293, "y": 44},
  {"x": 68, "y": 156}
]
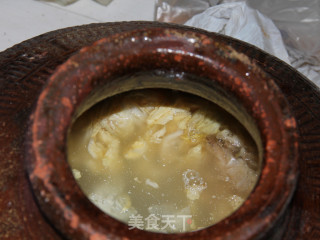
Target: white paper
[{"x": 238, "y": 20}]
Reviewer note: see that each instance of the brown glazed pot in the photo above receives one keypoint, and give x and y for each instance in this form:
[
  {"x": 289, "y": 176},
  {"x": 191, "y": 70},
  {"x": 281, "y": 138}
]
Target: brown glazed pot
[
  {"x": 165, "y": 58},
  {"x": 40, "y": 198}
]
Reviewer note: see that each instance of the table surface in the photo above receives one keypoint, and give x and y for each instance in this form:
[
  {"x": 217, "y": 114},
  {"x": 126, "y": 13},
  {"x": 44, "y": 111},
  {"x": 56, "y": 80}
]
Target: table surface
[{"x": 24, "y": 19}]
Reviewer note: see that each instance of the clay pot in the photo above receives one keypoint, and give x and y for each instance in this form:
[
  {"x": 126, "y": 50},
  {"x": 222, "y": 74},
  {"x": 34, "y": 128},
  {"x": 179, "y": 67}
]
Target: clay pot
[
  {"x": 179, "y": 59},
  {"x": 46, "y": 203}
]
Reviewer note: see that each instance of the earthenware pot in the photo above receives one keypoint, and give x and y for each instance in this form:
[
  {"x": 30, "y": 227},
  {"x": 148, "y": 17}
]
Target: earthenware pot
[{"x": 238, "y": 77}]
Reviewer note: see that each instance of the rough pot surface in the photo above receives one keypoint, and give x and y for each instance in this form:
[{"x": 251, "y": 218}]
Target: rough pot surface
[
  {"x": 162, "y": 51},
  {"x": 67, "y": 208}
]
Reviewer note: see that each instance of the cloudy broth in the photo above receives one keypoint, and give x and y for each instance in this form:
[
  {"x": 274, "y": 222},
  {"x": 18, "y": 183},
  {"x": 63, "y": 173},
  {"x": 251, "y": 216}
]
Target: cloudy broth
[{"x": 163, "y": 160}]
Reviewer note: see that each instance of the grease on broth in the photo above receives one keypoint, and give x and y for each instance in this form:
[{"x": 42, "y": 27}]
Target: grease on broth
[{"x": 165, "y": 155}]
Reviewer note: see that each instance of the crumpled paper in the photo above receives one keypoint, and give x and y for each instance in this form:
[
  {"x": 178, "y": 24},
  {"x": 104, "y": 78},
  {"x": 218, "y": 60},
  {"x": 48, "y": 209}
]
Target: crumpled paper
[
  {"x": 299, "y": 24},
  {"x": 307, "y": 65},
  {"x": 178, "y": 11},
  {"x": 238, "y": 20},
  {"x": 68, "y": 2}
]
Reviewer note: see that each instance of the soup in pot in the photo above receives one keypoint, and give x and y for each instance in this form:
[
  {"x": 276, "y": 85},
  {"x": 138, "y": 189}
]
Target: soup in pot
[{"x": 163, "y": 160}]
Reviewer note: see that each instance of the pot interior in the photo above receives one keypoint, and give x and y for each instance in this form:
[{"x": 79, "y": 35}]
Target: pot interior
[{"x": 159, "y": 145}]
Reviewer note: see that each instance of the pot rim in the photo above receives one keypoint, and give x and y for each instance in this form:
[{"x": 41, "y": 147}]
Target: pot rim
[{"x": 69, "y": 209}]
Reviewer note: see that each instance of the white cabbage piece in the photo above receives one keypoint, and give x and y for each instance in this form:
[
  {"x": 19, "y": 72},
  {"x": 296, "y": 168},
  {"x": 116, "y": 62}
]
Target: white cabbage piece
[
  {"x": 171, "y": 147},
  {"x": 162, "y": 115},
  {"x": 106, "y": 148},
  {"x": 195, "y": 153},
  {"x": 203, "y": 123},
  {"x": 137, "y": 150},
  {"x": 183, "y": 120},
  {"x": 123, "y": 123},
  {"x": 155, "y": 135}
]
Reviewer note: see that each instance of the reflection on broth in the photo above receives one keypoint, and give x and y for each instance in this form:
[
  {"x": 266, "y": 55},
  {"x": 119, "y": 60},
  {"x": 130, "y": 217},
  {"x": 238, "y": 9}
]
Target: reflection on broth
[{"x": 162, "y": 160}]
